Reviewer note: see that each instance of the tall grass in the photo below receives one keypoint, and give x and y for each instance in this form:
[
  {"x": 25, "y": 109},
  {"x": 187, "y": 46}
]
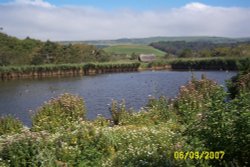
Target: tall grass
[
  {"x": 189, "y": 63},
  {"x": 33, "y": 70}
]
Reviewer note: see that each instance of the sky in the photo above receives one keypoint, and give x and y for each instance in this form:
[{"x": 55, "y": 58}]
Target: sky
[{"x": 61, "y": 20}]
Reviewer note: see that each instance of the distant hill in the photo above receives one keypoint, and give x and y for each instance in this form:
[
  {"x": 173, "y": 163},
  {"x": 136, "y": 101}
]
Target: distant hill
[
  {"x": 147, "y": 41},
  {"x": 136, "y": 49}
]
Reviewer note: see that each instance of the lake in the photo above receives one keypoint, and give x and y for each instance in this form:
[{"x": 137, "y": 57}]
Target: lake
[{"x": 18, "y": 97}]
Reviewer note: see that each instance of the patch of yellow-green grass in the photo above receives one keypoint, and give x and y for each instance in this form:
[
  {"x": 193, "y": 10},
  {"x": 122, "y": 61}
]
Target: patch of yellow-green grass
[{"x": 137, "y": 49}]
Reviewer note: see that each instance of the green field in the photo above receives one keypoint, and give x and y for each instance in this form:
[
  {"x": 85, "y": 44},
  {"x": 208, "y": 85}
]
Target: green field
[{"x": 129, "y": 49}]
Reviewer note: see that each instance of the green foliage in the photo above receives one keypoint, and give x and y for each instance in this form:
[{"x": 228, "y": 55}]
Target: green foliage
[
  {"x": 244, "y": 66},
  {"x": 59, "y": 112},
  {"x": 118, "y": 112},
  {"x": 208, "y": 63},
  {"x": 79, "y": 145},
  {"x": 201, "y": 63},
  {"x": 27, "y": 149},
  {"x": 158, "y": 63},
  {"x": 203, "y": 48},
  {"x": 186, "y": 53},
  {"x": 160, "y": 110},
  {"x": 134, "y": 56},
  {"x": 141, "y": 146},
  {"x": 81, "y": 148},
  {"x": 224, "y": 126},
  {"x": 194, "y": 97},
  {"x": 240, "y": 82},
  {"x": 10, "y": 125},
  {"x": 34, "y": 70},
  {"x": 212, "y": 123},
  {"x": 14, "y": 51}
]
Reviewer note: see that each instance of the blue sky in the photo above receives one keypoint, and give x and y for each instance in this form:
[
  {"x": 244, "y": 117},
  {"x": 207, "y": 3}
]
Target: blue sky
[
  {"x": 144, "y": 4},
  {"x": 148, "y": 4},
  {"x": 113, "y": 19}
]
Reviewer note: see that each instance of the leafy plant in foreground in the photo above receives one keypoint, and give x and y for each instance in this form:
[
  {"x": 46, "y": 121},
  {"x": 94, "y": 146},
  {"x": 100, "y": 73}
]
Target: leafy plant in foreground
[
  {"x": 118, "y": 111},
  {"x": 9, "y": 125},
  {"x": 59, "y": 112}
]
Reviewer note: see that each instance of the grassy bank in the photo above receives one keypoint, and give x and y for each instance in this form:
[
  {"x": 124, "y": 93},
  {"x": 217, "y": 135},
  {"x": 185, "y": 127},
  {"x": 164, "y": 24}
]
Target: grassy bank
[
  {"x": 199, "y": 63},
  {"x": 7, "y": 72},
  {"x": 198, "y": 120}
]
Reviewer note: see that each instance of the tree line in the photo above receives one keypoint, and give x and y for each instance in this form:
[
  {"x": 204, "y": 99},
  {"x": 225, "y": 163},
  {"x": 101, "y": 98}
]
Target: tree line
[
  {"x": 29, "y": 51},
  {"x": 203, "y": 49}
]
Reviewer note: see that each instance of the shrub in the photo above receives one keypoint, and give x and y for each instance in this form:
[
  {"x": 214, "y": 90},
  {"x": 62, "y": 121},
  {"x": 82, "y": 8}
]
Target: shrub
[
  {"x": 220, "y": 125},
  {"x": 239, "y": 114},
  {"x": 79, "y": 146},
  {"x": 240, "y": 82},
  {"x": 27, "y": 149},
  {"x": 118, "y": 112},
  {"x": 141, "y": 146},
  {"x": 59, "y": 112},
  {"x": 101, "y": 121},
  {"x": 194, "y": 98},
  {"x": 224, "y": 127},
  {"x": 9, "y": 125}
]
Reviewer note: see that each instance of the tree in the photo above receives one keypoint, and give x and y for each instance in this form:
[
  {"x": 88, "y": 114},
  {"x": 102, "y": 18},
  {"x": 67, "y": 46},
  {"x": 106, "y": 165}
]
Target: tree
[
  {"x": 186, "y": 53},
  {"x": 134, "y": 56}
]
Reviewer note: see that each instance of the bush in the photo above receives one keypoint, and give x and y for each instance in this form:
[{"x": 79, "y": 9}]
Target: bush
[
  {"x": 79, "y": 146},
  {"x": 118, "y": 112},
  {"x": 27, "y": 149},
  {"x": 160, "y": 110},
  {"x": 224, "y": 127},
  {"x": 9, "y": 125},
  {"x": 59, "y": 112},
  {"x": 140, "y": 146},
  {"x": 240, "y": 82},
  {"x": 194, "y": 98},
  {"x": 217, "y": 124}
]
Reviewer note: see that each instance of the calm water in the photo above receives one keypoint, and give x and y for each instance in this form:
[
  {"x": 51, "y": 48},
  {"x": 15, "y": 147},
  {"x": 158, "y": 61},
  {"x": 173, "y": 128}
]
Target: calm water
[{"x": 17, "y": 97}]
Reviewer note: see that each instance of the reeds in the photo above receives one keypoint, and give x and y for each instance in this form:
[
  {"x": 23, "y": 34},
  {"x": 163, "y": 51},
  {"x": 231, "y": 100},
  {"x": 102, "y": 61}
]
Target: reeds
[{"x": 61, "y": 69}]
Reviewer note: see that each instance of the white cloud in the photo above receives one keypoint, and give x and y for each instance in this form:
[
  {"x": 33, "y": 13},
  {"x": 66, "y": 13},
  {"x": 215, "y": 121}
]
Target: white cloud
[
  {"x": 196, "y": 6},
  {"x": 39, "y": 19},
  {"x": 32, "y": 2}
]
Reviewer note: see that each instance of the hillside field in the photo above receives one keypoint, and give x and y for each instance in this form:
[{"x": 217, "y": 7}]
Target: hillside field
[
  {"x": 129, "y": 49},
  {"x": 149, "y": 40}
]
